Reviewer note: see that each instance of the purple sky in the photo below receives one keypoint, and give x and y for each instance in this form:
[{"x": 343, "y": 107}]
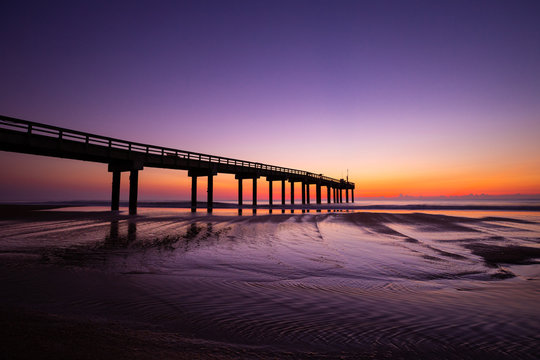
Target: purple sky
[{"x": 431, "y": 89}]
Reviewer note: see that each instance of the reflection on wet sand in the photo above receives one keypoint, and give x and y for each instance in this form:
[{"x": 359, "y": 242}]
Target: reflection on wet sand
[
  {"x": 405, "y": 285},
  {"x": 114, "y": 240}
]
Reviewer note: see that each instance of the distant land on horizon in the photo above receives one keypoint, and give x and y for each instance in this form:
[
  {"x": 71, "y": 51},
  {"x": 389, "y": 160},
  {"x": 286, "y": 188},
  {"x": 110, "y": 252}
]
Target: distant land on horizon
[{"x": 457, "y": 197}]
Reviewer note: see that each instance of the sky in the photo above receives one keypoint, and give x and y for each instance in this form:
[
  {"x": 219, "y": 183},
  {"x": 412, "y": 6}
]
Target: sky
[{"x": 423, "y": 98}]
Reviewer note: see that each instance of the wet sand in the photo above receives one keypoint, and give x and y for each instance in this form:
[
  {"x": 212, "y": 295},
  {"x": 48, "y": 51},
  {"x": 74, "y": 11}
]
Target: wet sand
[
  {"x": 33, "y": 335},
  {"x": 166, "y": 284}
]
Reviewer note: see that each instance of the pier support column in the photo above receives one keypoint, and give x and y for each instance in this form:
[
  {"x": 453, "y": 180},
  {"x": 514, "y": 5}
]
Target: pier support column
[
  {"x": 303, "y": 193},
  {"x": 193, "y": 193},
  {"x": 133, "y": 188},
  {"x": 347, "y": 195},
  {"x": 209, "y": 191},
  {"x": 352, "y": 195},
  {"x": 308, "y": 196},
  {"x": 340, "y": 195},
  {"x": 283, "y": 195},
  {"x": 328, "y": 200},
  {"x": 254, "y": 192},
  {"x": 116, "y": 167},
  {"x": 292, "y": 192},
  {"x": 210, "y": 199},
  {"x": 115, "y": 197},
  {"x": 318, "y": 193},
  {"x": 254, "y": 178},
  {"x": 282, "y": 192},
  {"x": 240, "y": 191},
  {"x": 270, "y": 193}
]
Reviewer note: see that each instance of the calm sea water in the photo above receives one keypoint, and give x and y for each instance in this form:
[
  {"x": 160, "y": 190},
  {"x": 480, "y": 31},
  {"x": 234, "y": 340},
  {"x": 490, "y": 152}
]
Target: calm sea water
[{"x": 450, "y": 284}]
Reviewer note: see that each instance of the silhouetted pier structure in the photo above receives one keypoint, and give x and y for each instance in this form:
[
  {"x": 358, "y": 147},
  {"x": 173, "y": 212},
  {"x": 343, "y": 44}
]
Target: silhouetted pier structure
[{"x": 28, "y": 137}]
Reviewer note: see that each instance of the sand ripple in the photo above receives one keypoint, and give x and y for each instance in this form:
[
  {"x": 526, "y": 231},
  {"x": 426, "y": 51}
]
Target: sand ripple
[{"x": 351, "y": 282}]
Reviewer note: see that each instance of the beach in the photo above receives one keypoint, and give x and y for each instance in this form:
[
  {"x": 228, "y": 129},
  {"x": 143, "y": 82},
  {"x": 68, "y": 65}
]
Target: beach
[{"x": 85, "y": 282}]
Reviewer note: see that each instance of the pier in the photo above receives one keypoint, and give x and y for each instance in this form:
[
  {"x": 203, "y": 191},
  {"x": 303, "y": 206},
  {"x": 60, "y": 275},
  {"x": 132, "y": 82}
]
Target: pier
[{"x": 123, "y": 156}]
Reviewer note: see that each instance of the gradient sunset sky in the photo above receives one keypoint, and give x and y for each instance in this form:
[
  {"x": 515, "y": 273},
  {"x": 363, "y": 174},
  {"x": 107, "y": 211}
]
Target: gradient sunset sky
[{"x": 421, "y": 98}]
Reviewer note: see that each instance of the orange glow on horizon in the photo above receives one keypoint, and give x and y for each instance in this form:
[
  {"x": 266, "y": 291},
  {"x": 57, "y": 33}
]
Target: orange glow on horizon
[
  {"x": 449, "y": 185},
  {"x": 47, "y": 179}
]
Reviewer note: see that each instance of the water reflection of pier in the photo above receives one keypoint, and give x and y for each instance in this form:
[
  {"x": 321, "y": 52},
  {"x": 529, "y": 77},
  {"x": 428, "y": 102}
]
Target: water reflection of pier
[{"x": 115, "y": 240}]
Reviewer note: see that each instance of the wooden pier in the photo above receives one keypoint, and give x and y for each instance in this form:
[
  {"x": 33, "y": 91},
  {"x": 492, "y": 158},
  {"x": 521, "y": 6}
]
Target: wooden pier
[{"x": 28, "y": 137}]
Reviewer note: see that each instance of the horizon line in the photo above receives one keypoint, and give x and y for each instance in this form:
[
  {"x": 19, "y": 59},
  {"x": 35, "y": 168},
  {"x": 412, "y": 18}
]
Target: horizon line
[{"x": 516, "y": 196}]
